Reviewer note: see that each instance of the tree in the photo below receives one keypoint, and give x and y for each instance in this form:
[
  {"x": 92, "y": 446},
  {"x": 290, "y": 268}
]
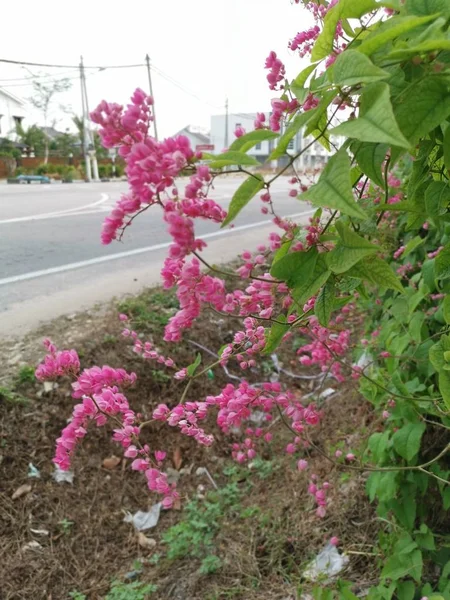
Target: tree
[
  {"x": 100, "y": 150},
  {"x": 33, "y": 137},
  {"x": 66, "y": 144},
  {"x": 43, "y": 99}
]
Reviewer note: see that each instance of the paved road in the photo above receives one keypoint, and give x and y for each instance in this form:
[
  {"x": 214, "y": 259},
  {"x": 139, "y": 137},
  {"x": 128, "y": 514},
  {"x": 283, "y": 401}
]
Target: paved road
[{"x": 52, "y": 261}]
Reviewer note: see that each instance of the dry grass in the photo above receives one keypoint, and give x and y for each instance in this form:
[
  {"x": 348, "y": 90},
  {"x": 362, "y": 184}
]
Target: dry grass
[{"x": 265, "y": 536}]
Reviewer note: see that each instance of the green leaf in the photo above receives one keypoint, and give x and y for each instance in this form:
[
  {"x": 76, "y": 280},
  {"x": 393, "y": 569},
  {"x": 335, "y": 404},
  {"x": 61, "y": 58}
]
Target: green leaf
[
  {"x": 302, "y": 77},
  {"x": 421, "y": 108},
  {"x": 406, "y": 590},
  {"x": 308, "y": 287},
  {"x": 444, "y": 386},
  {"x": 378, "y": 446},
  {"x": 423, "y": 48},
  {"x": 401, "y": 565},
  {"x": 350, "y": 249},
  {"x": 376, "y": 121},
  {"x": 352, "y": 67},
  {"x": 370, "y": 157},
  {"x": 343, "y": 10},
  {"x": 437, "y": 352},
  {"x": 442, "y": 263},
  {"x": 294, "y": 127},
  {"x": 407, "y": 440},
  {"x": 334, "y": 189},
  {"x": 412, "y": 245},
  {"x": 390, "y": 30},
  {"x": 295, "y": 267},
  {"x": 446, "y": 309},
  {"x": 437, "y": 198},
  {"x": 247, "y": 141},
  {"x": 325, "y": 303},
  {"x": 376, "y": 271},
  {"x": 446, "y": 144},
  {"x": 426, "y": 7},
  {"x": 242, "y": 196},
  {"x": 193, "y": 367},
  {"x": 275, "y": 335},
  {"x": 233, "y": 158}
]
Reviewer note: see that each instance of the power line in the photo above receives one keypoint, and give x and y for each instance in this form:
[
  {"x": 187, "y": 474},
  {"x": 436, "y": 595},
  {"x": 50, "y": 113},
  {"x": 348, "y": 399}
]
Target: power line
[
  {"x": 179, "y": 85},
  {"x": 50, "y": 66}
]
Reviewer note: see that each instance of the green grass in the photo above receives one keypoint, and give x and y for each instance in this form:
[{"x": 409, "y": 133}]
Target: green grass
[
  {"x": 26, "y": 375},
  {"x": 135, "y": 590},
  {"x": 150, "y": 310},
  {"x": 12, "y": 398}
]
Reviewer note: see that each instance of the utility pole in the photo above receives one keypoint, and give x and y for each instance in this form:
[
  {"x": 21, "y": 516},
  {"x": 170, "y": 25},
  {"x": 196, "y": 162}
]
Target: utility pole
[
  {"x": 226, "y": 123},
  {"x": 89, "y": 132},
  {"x": 87, "y": 158},
  {"x": 149, "y": 72}
]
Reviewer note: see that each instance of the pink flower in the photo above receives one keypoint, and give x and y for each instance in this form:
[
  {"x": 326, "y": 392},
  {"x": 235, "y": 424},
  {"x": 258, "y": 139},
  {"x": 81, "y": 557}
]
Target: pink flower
[
  {"x": 302, "y": 465},
  {"x": 334, "y": 541}
]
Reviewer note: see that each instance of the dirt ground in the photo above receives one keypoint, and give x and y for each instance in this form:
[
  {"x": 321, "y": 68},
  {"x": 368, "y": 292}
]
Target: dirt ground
[{"x": 249, "y": 538}]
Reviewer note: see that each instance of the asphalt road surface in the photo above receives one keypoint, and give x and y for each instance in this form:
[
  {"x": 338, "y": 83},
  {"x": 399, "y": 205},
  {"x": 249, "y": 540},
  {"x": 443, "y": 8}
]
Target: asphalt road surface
[{"x": 52, "y": 261}]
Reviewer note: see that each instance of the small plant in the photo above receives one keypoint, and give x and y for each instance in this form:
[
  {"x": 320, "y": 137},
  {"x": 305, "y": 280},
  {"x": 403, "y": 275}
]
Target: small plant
[
  {"x": 135, "y": 590},
  {"x": 26, "y": 375},
  {"x": 210, "y": 564},
  {"x": 76, "y": 595},
  {"x": 195, "y": 534},
  {"x": 66, "y": 526},
  {"x": 10, "y": 397},
  {"x": 160, "y": 376}
]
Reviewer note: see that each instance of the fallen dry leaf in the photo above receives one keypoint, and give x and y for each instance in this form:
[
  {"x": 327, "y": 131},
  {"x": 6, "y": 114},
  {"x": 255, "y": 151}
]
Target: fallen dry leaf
[
  {"x": 176, "y": 504},
  {"x": 146, "y": 542},
  {"x": 111, "y": 462},
  {"x": 21, "y": 491},
  {"x": 177, "y": 459},
  {"x": 32, "y": 546}
]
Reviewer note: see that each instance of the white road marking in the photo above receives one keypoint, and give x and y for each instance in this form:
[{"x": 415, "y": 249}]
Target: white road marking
[
  {"x": 57, "y": 214},
  {"x": 102, "y": 259}
]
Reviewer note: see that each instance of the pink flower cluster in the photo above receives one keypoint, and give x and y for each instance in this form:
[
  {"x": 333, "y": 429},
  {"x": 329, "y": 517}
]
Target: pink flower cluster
[
  {"x": 279, "y": 109},
  {"x": 304, "y": 41},
  {"x": 147, "y": 350},
  {"x": 57, "y": 363},
  {"x": 319, "y": 495},
  {"x": 323, "y": 348},
  {"x": 186, "y": 417},
  {"x": 277, "y": 70}
]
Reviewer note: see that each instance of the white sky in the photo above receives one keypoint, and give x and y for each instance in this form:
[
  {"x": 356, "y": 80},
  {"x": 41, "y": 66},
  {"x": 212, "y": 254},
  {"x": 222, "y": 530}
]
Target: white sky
[{"x": 213, "y": 48}]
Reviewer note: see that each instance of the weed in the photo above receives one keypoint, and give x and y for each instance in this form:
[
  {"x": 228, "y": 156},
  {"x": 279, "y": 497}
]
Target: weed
[
  {"x": 210, "y": 564},
  {"x": 264, "y": 468},
  {"x": 154, "y": 559},
  {"x": 151, "y": 309},
  {"x": 160, "y": 376},
  {"x": 76, "y": 595},
  {"x": 195, "y": 534},
  {"x": 135, "y": 590},
  {"x": 10, "y": 397},
  {"x": 110, "y": 340},
  {"x": 26, "y": 375},
  {"x": 66, "y": 526}
]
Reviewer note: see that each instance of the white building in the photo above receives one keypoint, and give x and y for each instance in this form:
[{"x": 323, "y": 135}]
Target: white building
[
  {"x": 197, "y": 136},
  {"x": 222, "y": 137},
  {"x": 12, "y": 113}
]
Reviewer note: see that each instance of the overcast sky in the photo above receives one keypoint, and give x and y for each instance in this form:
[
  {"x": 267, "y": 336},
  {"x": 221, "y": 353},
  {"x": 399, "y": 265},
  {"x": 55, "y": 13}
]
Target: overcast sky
[{"x": 213, "y": 48}]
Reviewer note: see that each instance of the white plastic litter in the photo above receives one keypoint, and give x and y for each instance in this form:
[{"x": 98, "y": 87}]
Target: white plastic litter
[
  {"x": 144, "y": 520},
  {"x": 33, "y": 471},
  {"x": 61, "y": 476},
  {"x": 364, "y": 360},
  {"x": 39, "y": 531},
  {"x": 327, "y": 564},
  {"x": 33, "y": 545},
  {"x": 327, "y": 393}
]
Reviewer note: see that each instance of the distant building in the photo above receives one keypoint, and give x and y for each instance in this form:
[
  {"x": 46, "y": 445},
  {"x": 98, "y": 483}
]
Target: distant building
[
  {"x": 12, "y": 113},
  {"x": 197, "y": 136},
  {"x": 313, "y": 157},
  {"x": 51, "y": 133},
  {"x": 220, "y": 140}
]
